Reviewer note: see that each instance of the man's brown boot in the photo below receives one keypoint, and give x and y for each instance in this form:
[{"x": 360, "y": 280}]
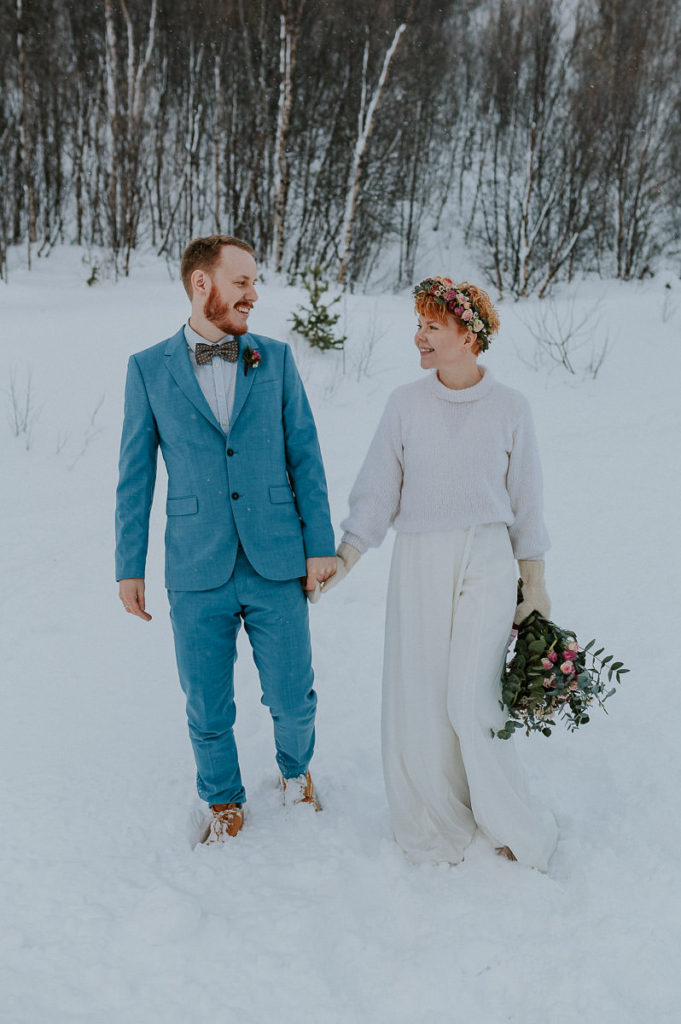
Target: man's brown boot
[
  {"x": 507, "y": 852},
  {"x": 227, "y": 821},
  {"x": 300, "y": 790}
]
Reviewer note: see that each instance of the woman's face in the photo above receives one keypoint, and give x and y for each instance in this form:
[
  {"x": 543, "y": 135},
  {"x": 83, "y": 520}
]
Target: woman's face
[{"x": 441, "y": 345}]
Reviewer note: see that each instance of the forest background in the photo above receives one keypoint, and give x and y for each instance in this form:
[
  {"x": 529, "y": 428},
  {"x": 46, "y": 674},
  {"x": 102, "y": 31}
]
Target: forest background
[{"x": 333, "y": 134}]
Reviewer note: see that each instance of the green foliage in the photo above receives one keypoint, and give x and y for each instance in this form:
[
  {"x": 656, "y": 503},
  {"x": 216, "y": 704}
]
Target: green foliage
[
  {"x": 549, "y": 677},
  {"x": 315, "y": 322}
]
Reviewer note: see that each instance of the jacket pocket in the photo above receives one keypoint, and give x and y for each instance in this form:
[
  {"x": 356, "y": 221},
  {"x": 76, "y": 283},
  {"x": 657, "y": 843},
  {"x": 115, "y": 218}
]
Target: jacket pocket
[
  {"x": 182, "y": 506},
  {"x": 280, "y": 494}
]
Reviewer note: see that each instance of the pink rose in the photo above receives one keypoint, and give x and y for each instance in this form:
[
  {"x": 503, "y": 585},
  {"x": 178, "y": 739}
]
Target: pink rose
[
  {"x": 450, "y": 295},
  {"x": 458, "y": 310},
  {"x": 467, "y": 315},
  {"x": 569, "y": 655},
  {"x": 567, "y": 668},
  {"x": 545, "y": 663},
  {"x": 552, "y": 656},
  {"x": 573, "y": 646}
]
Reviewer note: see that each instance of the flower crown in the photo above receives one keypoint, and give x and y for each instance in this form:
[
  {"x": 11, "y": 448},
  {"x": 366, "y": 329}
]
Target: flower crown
[{"x": 457, "y": 302}]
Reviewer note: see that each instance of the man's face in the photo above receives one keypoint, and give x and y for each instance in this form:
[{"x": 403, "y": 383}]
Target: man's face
[{"x": 232, "y": 293}]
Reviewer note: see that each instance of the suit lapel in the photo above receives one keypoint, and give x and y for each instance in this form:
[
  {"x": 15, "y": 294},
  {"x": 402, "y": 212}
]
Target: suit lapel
[
  {"x": 244, "y": 382},
  {"x": 180, "y": 367}
]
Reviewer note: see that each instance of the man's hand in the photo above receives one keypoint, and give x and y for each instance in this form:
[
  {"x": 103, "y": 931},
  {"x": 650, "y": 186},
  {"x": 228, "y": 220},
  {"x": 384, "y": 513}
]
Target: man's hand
[
  {"x": 319, "y": 570},
  {"x": 131, "y": 593}
]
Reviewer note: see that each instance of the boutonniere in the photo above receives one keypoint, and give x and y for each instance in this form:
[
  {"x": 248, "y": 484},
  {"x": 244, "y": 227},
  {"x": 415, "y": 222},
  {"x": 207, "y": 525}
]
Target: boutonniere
[{"x": 252, "y": 358}]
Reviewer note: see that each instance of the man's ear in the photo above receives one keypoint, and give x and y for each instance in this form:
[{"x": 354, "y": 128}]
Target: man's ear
[{"x": 200, "y": 282}]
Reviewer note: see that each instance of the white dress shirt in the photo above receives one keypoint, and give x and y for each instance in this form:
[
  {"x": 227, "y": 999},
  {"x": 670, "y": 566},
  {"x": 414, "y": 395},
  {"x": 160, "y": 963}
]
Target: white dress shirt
[{"x": 217, "y": 379}]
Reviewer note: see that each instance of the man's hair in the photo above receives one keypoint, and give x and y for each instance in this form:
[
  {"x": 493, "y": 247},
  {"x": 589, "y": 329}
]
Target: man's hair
[{"x": 204, "y": 253}]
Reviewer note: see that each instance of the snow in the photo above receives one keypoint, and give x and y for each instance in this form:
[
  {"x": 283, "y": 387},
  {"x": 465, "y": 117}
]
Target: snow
[{"x": 109, "y": 914}]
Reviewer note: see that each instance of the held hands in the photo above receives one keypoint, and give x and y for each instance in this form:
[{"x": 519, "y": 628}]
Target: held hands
[
  {"x": 319, "y": 570},
  {"x": 535, "y": 596},
  {"x": 131, "y": 593},
  {"x": 346, "y": 557}
]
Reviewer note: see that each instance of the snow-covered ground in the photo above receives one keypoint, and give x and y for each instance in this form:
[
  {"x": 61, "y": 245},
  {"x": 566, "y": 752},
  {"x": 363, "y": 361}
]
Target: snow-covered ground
[{"x": 107, "y": 912}]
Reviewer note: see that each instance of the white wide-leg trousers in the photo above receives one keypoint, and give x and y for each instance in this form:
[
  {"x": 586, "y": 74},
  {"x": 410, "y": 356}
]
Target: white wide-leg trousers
[{"x": 451, "y": 599}]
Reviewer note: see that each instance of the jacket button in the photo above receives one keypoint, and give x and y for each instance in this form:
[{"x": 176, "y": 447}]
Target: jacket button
[
  {"x": 235, "y": 495},
  {"x": 230, "y": 451}
]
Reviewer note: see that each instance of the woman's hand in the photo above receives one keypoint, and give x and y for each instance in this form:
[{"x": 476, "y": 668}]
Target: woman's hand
[
  {"x": 535, "y": 595},
  {"x": 346, "y": 557}
]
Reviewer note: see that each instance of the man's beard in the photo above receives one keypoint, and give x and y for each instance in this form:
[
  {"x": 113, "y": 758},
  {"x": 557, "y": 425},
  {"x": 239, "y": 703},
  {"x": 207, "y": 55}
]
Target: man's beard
[{"x": 218, "y": 313}]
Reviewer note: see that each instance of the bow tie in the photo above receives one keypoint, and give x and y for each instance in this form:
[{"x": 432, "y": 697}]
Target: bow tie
[{"x": 228, "y": 350}]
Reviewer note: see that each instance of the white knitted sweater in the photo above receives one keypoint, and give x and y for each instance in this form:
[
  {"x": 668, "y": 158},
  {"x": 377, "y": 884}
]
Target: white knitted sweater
[{"x": 442, "y": 459}]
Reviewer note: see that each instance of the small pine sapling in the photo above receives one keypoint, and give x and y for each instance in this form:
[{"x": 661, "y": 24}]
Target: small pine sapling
[{"x": 316, "y": 322}]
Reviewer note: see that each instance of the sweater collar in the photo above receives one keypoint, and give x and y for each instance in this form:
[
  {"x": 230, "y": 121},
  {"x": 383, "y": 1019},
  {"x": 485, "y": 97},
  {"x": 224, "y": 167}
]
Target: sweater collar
[{"x": 479, "y": 390}]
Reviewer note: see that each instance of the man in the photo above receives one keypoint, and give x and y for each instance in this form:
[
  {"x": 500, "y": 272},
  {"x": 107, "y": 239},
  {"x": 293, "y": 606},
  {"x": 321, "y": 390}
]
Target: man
[{"x": 247, "y": 519}]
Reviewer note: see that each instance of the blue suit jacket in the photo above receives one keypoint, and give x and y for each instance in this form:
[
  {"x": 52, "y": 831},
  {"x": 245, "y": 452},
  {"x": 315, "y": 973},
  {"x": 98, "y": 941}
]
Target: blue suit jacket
[{"x": 262, "y": 484}]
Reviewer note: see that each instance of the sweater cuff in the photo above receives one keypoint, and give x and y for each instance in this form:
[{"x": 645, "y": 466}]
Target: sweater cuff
[{"x": 354, "y": 541}]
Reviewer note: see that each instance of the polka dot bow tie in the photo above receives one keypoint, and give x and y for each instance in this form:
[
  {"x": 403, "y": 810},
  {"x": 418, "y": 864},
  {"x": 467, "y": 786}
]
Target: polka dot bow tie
[{"x": 228, "y": 350}]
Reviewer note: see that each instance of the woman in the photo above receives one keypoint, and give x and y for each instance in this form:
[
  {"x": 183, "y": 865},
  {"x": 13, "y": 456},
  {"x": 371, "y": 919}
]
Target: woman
[{"x": 454, "y": 468}]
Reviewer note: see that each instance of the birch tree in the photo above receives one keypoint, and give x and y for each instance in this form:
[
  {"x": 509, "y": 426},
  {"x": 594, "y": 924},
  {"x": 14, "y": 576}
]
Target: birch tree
[
  {"x": 24, "y": 135},
  {"x": 125, "y": 125},
  {"x": 137, "y": 68},
  {"x": 366, "y": 115},
  {"x": 289, "y": 19},
  {"x": 112, "y": 127}
]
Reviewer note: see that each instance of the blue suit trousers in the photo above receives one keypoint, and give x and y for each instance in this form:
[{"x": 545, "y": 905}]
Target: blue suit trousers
[{"x": 205, "y": 626}]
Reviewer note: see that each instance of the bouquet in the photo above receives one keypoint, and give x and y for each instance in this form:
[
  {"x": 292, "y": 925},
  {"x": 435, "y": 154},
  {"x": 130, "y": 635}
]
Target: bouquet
[{"x": 549, "y": 677}]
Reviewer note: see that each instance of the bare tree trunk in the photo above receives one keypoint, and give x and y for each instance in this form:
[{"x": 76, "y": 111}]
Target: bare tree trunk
[
  {"x": 217, "y": 144},
  {"x": 365, "y": 124},
  {"x": 194, "y": 118},
  {"x": 289, "y": 22},
  {"x": 136, "y": 95},
  {"x": 5, "y": 161},
  {"x": 79, "y": 159},
  {"x": 111, "y": 65},
  {"x": 28, "y": 189}
]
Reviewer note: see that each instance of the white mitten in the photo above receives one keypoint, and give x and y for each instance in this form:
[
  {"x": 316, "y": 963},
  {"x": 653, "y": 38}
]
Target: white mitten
[
  {"x": 535, "y": 596},
  {"x": 346, "y": 557}
]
